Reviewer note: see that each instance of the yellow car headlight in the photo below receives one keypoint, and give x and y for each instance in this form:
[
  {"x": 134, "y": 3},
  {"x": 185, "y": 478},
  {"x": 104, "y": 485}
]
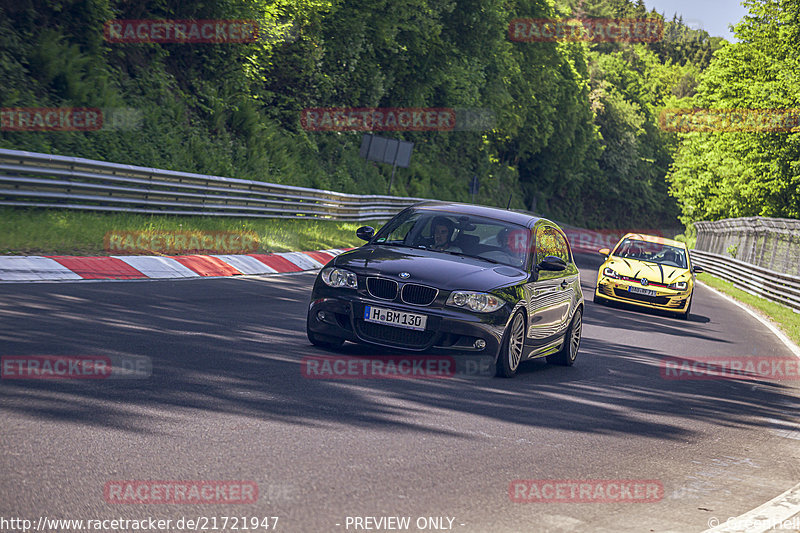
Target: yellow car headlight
[
  {"x": 610, "y": 273},
  {"x": 679, "y": 286}
]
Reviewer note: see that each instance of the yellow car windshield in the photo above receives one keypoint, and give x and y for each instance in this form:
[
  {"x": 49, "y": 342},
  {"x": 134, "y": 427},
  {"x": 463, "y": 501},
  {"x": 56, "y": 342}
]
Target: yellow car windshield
[{"x": 652, "y": 252}]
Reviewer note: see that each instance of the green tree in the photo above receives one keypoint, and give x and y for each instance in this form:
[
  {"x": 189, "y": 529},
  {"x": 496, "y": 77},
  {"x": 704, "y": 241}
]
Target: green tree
[{"x": 731, "y": 174}]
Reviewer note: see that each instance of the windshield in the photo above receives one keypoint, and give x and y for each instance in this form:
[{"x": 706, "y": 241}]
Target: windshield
[
  {"x": 652, "y": 252},
  {"x": 446, "y": 232}
]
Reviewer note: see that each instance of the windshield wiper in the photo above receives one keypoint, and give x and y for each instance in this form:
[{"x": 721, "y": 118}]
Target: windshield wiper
[
  {"x": 461, "y": 254},
  {"x": 637, "y": 259},
  {"x": 402, "y": 245},
  {"x": 495, "y": 261}
]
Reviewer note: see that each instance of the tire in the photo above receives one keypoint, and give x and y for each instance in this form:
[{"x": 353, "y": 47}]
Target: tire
[
  {"x": 572, "y": 342},
  {"x": 510, "y": 355},
  {"x": 324, "y": 341},
  {"x": 598, "y": 299},
  {"x": 685, "y": 316}
]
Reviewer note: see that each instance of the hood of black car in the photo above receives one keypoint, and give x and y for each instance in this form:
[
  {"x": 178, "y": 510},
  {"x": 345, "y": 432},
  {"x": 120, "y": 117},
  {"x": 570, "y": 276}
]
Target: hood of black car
[{"x": 428, "y": 267}]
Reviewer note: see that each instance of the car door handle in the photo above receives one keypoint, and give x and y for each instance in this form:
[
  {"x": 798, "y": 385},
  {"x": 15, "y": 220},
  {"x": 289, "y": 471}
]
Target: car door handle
[{"x": 564, "y": 284}]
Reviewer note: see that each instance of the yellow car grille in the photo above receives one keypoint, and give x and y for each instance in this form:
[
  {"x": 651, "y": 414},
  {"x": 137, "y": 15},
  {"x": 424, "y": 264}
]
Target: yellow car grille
[
  {"x": 653, "y": 300},
  {"x": 672, "y": 302}
]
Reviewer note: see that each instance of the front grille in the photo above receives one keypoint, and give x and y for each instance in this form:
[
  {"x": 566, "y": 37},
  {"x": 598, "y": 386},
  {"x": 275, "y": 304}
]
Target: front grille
[
  {"x": 639, "y": 280},
  {"x": 388, "y": 334},
  {"x": 418, "y": 294},
  {"x": 656, "y": 300},
  {"x": 385, "y": 289}
]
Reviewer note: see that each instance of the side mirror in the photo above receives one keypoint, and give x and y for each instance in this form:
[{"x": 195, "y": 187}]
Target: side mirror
[
  {"x": 553, "y": 263},
  {"x": 365, "y": 233},
  {"x": 697, "y": 269},
  {"x": 604, "y": 251}
]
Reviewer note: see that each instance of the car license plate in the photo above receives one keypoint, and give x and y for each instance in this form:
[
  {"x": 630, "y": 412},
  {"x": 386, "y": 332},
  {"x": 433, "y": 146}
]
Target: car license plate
[
  {"x": 399, "y": 319},
  {"x": 639, "y": 290}
]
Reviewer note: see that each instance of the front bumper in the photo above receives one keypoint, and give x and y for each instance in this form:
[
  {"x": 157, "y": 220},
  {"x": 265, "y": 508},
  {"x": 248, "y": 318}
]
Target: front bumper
[
  {"x": 446, "y": 329},
  {"x": 669, "y": 299}
]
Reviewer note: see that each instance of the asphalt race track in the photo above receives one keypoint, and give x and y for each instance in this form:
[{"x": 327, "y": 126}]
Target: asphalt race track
[{"x": 227, "y": 401}]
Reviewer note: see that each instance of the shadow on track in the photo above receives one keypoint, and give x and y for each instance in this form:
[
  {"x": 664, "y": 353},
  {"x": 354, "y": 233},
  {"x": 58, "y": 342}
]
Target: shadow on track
[{"x": 235, "y": 346}]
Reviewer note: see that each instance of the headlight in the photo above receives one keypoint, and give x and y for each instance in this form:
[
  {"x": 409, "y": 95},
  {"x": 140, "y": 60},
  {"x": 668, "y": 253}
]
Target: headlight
[
  {"x": 610, "y": 273},
  {"x": 338, "y": 277},
  {"x": 480, "y": 302},
  {"x": 679, "y": 286}
]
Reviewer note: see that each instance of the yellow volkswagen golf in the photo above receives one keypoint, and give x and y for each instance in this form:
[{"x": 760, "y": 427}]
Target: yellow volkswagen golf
[{"x": 647, "y": 271}]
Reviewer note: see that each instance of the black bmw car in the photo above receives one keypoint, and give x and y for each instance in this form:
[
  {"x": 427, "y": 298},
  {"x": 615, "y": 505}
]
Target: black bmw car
[{"x": 448, "y": 276}]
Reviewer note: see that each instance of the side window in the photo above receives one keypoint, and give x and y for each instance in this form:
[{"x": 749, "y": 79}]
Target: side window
[
  {"x": 562, "y": 248},
  {"x": 546, "y": 243},
  {"x": 400, "y": 233},
  {"x": 549, "y": 241}
]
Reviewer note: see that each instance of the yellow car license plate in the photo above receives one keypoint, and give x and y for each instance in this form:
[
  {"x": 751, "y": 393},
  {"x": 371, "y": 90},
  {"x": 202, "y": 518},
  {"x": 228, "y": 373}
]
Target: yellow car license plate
[{"x": 639, "y": 290}]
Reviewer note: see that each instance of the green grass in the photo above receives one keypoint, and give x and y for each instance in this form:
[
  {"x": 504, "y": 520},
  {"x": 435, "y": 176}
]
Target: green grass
[
  {"x": 63, "y": 232},
  {"x": 786, "y": 320}
]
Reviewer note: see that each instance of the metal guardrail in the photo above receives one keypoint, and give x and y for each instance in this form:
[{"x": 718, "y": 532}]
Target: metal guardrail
[
  {"x": 29, "y": 179},
  {"x": 772, "y": 243},
  {"x": 775, "y": 286}
]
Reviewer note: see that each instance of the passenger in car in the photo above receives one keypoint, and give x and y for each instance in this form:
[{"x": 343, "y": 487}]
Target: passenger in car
[{"x": 512, "y": 249}]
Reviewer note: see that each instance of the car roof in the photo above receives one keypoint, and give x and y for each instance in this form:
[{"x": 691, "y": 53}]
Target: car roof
[
  {"x": 654, "y": 238},
  {"x": 514, "y": 217}
]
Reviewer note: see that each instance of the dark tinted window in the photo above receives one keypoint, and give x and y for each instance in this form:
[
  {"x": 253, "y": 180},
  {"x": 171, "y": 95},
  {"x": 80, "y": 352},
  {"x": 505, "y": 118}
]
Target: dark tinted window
[{"x": 471, "y": 235}]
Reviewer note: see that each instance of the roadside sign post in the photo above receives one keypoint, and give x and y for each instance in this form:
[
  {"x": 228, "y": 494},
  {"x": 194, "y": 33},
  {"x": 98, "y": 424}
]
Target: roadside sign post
[{"x": 391, "y": 151}]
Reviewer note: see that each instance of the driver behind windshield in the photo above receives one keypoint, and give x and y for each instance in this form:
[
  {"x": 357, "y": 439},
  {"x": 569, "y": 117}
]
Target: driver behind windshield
[
  {"x": 634, "y": 250},
  {"x": 671, "y": 256},
  {"x": 442, "y": 229}
]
